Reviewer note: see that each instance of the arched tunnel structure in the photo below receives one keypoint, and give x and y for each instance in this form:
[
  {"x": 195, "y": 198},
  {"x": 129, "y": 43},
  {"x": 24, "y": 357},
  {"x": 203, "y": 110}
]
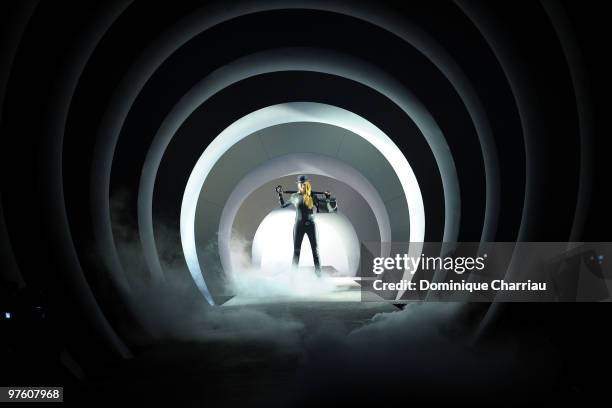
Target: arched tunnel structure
[{"x": 130, "y": 157}]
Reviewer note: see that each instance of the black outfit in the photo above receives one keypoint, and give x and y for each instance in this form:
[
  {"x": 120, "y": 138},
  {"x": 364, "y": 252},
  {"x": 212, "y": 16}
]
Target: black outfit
[{"x": 304, "y": 224}]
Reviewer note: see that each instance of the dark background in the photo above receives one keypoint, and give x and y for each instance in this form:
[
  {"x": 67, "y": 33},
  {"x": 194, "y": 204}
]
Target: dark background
[{"x": 33, "y": 72}]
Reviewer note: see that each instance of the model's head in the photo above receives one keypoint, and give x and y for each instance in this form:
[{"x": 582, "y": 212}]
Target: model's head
[
  {"x": 302, "y": 181},
  {"x": 303, "y": 186}
]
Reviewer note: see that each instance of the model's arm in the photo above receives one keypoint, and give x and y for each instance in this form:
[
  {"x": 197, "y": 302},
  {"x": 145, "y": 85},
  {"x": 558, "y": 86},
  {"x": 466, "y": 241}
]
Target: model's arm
[
  {"x": 316, "y": 202},
  {"x": 330, "y": 207},
  {"x": 282, "y": 202},
  {"x": 328, "y": 202}
]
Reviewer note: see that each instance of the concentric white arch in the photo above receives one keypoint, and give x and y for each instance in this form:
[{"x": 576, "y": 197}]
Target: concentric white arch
[
  {"x": 295, "y": 59},
  {"x": 292, "y": 163},
  {"x": 289, "y": 113}
]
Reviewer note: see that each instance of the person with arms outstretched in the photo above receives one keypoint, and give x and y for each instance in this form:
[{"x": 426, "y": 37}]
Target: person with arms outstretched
[{"x": 305, "y": 202}]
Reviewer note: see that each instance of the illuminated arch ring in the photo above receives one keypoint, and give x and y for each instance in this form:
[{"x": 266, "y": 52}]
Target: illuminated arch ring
[
  {"x": 287, "y": 164},
  {"x": 295, "y": 59},
  {"x": 206, "y": 18},
  {"x": 288, "y": 113}
]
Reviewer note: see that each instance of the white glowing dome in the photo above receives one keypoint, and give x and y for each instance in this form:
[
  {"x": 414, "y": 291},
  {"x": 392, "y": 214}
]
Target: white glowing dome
[{"x": 338, "y": 243}]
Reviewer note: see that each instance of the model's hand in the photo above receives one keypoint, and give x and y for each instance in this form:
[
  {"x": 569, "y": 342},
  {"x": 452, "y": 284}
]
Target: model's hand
[
  {"x": 279, "y": 189},
  {"x": 327, "y": 194}
]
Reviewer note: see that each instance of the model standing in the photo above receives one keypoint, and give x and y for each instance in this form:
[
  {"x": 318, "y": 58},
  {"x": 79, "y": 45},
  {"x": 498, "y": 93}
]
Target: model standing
[{"x": 305, "y": 202}]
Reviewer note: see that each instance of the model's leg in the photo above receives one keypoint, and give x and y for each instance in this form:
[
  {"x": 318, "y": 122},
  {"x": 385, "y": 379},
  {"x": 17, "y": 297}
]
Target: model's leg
[
  {"x": 298, "y": 236},
  {"x": 314, "y": 245}
]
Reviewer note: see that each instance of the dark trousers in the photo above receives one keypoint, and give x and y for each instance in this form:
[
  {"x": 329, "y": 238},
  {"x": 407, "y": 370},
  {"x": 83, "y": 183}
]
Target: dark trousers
[{"x": 308, "y": 228}]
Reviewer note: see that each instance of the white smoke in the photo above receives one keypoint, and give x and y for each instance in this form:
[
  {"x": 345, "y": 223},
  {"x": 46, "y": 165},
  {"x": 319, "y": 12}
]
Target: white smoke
[{"x": 270, "y": 284}]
